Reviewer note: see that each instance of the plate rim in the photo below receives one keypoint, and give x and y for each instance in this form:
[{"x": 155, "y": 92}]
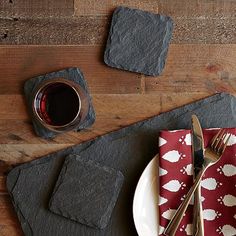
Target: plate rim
[{"x": 135, "y": 192}]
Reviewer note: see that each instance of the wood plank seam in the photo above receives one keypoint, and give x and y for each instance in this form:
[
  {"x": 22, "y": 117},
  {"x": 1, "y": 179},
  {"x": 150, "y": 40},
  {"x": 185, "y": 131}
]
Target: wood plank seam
[{"x": 85, "y": 30}]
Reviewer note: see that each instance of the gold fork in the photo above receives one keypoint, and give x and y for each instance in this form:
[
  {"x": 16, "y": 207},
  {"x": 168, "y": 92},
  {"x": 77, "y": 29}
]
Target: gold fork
[{"x": 212, "y": 155}]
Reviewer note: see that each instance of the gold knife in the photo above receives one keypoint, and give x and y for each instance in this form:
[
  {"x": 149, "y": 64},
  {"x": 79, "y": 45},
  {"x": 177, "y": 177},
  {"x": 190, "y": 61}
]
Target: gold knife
[{"x": 198, "y": 158}]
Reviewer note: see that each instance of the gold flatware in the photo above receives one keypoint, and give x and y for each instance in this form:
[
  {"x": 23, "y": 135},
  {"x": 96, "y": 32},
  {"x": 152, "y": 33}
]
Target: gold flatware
[
  {"x": 198, "y": 159},
  {"x": 212, "y": 155}
]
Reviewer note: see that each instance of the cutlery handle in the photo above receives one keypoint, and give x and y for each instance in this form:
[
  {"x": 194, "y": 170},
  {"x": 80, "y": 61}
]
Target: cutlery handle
[
  {"x": 198, "y": 224},
  {"x": 175, "y": 221}
]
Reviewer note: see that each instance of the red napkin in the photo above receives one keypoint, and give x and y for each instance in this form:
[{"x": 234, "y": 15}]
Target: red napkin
[{"x": 218, "y": 184}]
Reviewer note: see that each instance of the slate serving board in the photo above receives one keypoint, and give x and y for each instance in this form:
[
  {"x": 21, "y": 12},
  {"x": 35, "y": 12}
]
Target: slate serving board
[{"x": 128, "y": 150}]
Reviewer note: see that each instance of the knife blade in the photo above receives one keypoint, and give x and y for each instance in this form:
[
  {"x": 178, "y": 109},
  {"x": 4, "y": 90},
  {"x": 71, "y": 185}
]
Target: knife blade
[{"x": 198, "y": 159}]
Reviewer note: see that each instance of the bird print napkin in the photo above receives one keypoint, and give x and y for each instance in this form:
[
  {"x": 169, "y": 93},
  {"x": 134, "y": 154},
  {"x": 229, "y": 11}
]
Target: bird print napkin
[{"x": 218, "y": 185}]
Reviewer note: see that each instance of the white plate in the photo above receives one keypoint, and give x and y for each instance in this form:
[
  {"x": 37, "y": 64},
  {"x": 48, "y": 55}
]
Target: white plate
[{"x": 145, "y": 203}]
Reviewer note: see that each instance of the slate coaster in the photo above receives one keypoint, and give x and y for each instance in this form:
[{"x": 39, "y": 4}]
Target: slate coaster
[
  {"x": 138, "y": 41},
  {"x": 74, "y": 74},
  {"x": 86, "y": 192},
  {"x": 129, "y": 150}
]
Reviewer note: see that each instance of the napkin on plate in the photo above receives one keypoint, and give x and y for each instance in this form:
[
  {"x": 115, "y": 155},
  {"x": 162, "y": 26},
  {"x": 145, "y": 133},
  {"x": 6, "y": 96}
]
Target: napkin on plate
[{"x": 218, "y": 184}]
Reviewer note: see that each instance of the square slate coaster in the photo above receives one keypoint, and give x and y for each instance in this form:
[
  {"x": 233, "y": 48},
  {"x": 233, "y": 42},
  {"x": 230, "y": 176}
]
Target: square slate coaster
[
  {"x": 86, "y": 192},
  {"x": 73, "y": 74},
  {"x": 129, "y": 150},
  {"x": 138, "y": 41}
]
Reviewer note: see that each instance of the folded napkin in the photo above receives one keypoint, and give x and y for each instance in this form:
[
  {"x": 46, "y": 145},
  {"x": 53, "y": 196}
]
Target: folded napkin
[{"x": 218, "y": 184}]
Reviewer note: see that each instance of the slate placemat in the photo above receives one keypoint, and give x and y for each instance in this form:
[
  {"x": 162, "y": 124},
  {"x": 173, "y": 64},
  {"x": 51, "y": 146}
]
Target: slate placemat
[
  {"x": 128, "y": 150},
  {"x": 73, "y": 74}
]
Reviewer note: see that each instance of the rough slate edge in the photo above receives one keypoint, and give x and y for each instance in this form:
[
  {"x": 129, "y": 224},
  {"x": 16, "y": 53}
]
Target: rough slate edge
[
  {"x": 53, "y": 206},
  {"x": 74, "y": 74},
  {"x": 225, "y": 102},
  {"x": 109, "y": 41}
]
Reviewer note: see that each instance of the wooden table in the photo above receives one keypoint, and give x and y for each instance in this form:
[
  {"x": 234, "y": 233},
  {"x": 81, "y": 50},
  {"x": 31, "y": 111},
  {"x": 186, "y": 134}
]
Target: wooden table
[{"x": 64, "y": 33}]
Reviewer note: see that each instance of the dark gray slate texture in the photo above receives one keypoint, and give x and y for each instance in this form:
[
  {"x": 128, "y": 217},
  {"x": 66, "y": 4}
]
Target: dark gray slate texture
[
  {"x": 138, "y": 41},
  {"x": 86, "y": 192},
  {"x": 74, "y": 74},
  {"x": 129, "y": 150}
]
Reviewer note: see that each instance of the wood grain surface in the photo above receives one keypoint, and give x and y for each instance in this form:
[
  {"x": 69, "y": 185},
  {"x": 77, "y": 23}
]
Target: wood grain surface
[
  {"x": 66, "y": 33},
  {"x": 94, "y": 7},
  {"x": 35, "y": 8},
  {"x": 90, "y": 30}
]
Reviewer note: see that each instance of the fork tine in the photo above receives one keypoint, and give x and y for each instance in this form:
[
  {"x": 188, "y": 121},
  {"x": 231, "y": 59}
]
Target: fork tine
[
  {"x": 221, "y": 142},
  {"x": 215, "y": 139},
  {"x": 226, "y": 142}
]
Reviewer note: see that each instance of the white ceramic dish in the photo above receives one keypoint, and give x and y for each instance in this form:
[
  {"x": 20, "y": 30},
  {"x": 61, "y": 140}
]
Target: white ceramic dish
[{"x": 145, "y": 203}]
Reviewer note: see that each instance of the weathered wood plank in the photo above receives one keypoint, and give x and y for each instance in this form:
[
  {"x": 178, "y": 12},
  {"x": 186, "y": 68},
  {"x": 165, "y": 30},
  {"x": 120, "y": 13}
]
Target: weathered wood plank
[
  {"x": 4, "y": 201},
  {"x": 35, "y": 8},
  {"x": 24, "y": 62},
  {"x": 20, "y": 153},
  {"x": 2, "y": 184},
  {"x": 19, "y": 144},
  {"x": 45, "y": 31},
  {"x": 107, "y": 106},
  {"x": 206, "y": 30},
  {"x": 7, "y": 216},
  {"x": 193, "y": 8},
  {"x": 188, "y": 68},
  {"x": 12, "y": 230},
  {"x": 196, "y": 68},
  {"x": 94, "y": 7},
  {"x": 12, "y": 107},
  {"x": 9, "y": 224},
  {"x": 196, "y": 8},
  {"x": 4, "y": 168},
  {"x": 93, "y": 30},
  {"x": 59, "y": 8}
]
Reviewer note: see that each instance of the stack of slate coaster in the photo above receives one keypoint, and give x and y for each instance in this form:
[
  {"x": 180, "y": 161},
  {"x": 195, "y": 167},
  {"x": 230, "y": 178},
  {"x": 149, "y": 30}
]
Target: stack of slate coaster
[
  {"x": 138, "y": 41},
  {"x": 67, "y": 181}
]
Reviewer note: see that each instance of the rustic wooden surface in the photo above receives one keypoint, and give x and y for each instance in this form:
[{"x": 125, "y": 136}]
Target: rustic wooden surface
[{"x": 64, "y": 33}]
